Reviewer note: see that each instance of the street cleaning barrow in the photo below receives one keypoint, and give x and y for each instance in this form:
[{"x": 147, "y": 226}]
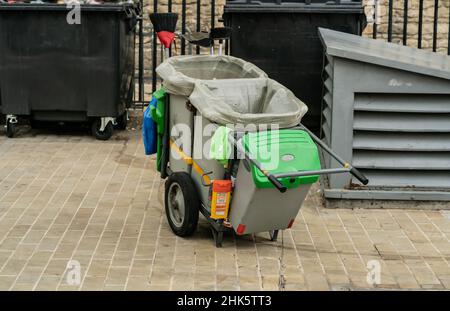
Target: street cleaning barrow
[{"x": 232, "y": 147}]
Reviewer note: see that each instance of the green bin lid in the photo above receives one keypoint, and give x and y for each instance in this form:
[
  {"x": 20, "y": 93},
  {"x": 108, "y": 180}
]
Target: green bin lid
[{"x": 282, "y": 151}]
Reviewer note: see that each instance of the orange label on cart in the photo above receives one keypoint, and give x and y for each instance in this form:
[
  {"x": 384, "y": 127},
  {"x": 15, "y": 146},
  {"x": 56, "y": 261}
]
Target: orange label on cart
[{"x": 220, "y": 199}]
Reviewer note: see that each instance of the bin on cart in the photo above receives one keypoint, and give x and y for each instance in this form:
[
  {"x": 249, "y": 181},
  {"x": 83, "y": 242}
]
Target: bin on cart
[
  {"x": 216, "y": 103},
  {"x": 53, "y": 68}
]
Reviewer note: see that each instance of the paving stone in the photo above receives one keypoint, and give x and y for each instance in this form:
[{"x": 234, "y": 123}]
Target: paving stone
[
  {"x": 116, "y": 276},
  {"x": 137, "y": 283},
  {"x": 6, "y": 282},
  {"x": 13, "y": 267},
  {"x": 101, "y": 204},
  {"x": 22, "y": 287},
  {"x": 93, "y": 283},
  {"x": 98, "y": 268},
  {"x": 47, "y": 283}
]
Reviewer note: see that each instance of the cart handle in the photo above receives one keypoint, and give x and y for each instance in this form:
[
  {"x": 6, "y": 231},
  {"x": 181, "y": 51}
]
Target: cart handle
[
  {"x": 360, "y": 176},
  {"x": 249, "y": 157},
  {"x": 275, "y": 182},
  {"x": 347, "y": 167},
  {"x": 352, "y": 170},
  {"x": 313, "y": 172}
]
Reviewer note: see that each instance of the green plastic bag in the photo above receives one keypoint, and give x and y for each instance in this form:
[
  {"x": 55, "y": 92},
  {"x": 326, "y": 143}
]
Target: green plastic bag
[
  {"x": 221, "y": 149},
  {"x": 158, "y": 115}
]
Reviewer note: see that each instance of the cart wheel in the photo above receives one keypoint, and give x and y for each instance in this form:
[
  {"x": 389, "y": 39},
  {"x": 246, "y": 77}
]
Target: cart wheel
[
  {"x": 102, "y": 135},
  {"x": 182, "y": 204},
  {"x": 122, "y": 121},
  {"x": 10, "y": 129}
]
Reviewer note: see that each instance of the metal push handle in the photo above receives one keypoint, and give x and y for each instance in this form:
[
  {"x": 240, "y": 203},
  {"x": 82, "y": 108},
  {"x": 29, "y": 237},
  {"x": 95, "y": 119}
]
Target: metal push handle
[
  {"x": 352, "y": 170},
  {"x": 276, "y": 182},
  {"x": 347, "y": 167},
  {"x": 360, "y": 176},
  {"x": 250, "y": 158}
]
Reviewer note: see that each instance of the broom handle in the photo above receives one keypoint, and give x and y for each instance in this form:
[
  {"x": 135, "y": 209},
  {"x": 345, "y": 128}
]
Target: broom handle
[
  {"x": 167, "y": 53},
  {"x": 220, "y": 46}
]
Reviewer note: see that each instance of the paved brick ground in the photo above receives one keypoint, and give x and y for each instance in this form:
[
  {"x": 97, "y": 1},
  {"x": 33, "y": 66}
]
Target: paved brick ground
[{"x": 69, "y": 197}]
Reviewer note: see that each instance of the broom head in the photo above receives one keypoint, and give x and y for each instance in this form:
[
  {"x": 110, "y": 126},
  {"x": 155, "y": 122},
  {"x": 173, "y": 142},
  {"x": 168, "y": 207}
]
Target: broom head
[{"x": 164, "y": 21}]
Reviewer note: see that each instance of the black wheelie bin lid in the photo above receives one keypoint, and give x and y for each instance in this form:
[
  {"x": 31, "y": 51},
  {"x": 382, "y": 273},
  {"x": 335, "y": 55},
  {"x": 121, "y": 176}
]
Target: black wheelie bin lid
[
  {"x": 294, "y": 6},
  {"x": 104, "y": 7}
]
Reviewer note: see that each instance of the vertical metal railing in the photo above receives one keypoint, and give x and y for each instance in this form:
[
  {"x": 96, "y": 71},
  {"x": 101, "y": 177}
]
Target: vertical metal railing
[
  {"x": 169, "y": 9},
  {"x": 198, "y": 25},
  {"x": 435, "y": 24},
  {"x": 183, "y": 26},
  {"x": 405, "y": 22},
  {"x": 213, "y": 18},
  {"x": 375, "y": 18},
  {"x": 448, "y": 48},
  {"x": 138, "y": 96},
  {"x": 420, "y": 26},
  {"x": 213, "y": 13},
  {"x": 141, "y": 55},
  {"x": 154, "y": 50},
  {"x": 392, "y": 20}
]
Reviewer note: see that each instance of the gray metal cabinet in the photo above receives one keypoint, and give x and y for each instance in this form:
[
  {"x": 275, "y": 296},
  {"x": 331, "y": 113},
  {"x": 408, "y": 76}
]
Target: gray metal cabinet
[{"x": 386, "y": 108}]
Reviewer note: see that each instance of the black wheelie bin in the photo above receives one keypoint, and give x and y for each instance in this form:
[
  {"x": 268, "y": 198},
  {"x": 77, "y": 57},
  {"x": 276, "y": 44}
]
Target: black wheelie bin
[
  {"x": 281, "y": 37},
  {"x": 57, "y": 66}
]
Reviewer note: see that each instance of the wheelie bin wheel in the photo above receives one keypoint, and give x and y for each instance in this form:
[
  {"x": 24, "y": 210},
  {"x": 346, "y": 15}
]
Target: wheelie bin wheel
[
  {"x": 122, "y": 121},
  {"x": 10, "y": 129},
  {"x": 102, "y": 135},
  {"x": 182, "y": 204}
]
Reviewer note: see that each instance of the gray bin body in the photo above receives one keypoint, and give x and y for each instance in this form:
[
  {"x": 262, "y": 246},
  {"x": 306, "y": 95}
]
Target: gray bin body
[
  {"x": 386, "y": 109},
  {"x": 181, "y": 118},
  {"x": 263, "y": 209}
]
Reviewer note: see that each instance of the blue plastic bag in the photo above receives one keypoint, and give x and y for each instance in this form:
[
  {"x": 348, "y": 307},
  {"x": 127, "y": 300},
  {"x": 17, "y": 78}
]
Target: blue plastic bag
[{"x": 149, "y": 134}]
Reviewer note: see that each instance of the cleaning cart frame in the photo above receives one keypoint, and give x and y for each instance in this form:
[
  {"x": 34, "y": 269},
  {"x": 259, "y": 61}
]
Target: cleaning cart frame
[{"x": 264, "y": 196}]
